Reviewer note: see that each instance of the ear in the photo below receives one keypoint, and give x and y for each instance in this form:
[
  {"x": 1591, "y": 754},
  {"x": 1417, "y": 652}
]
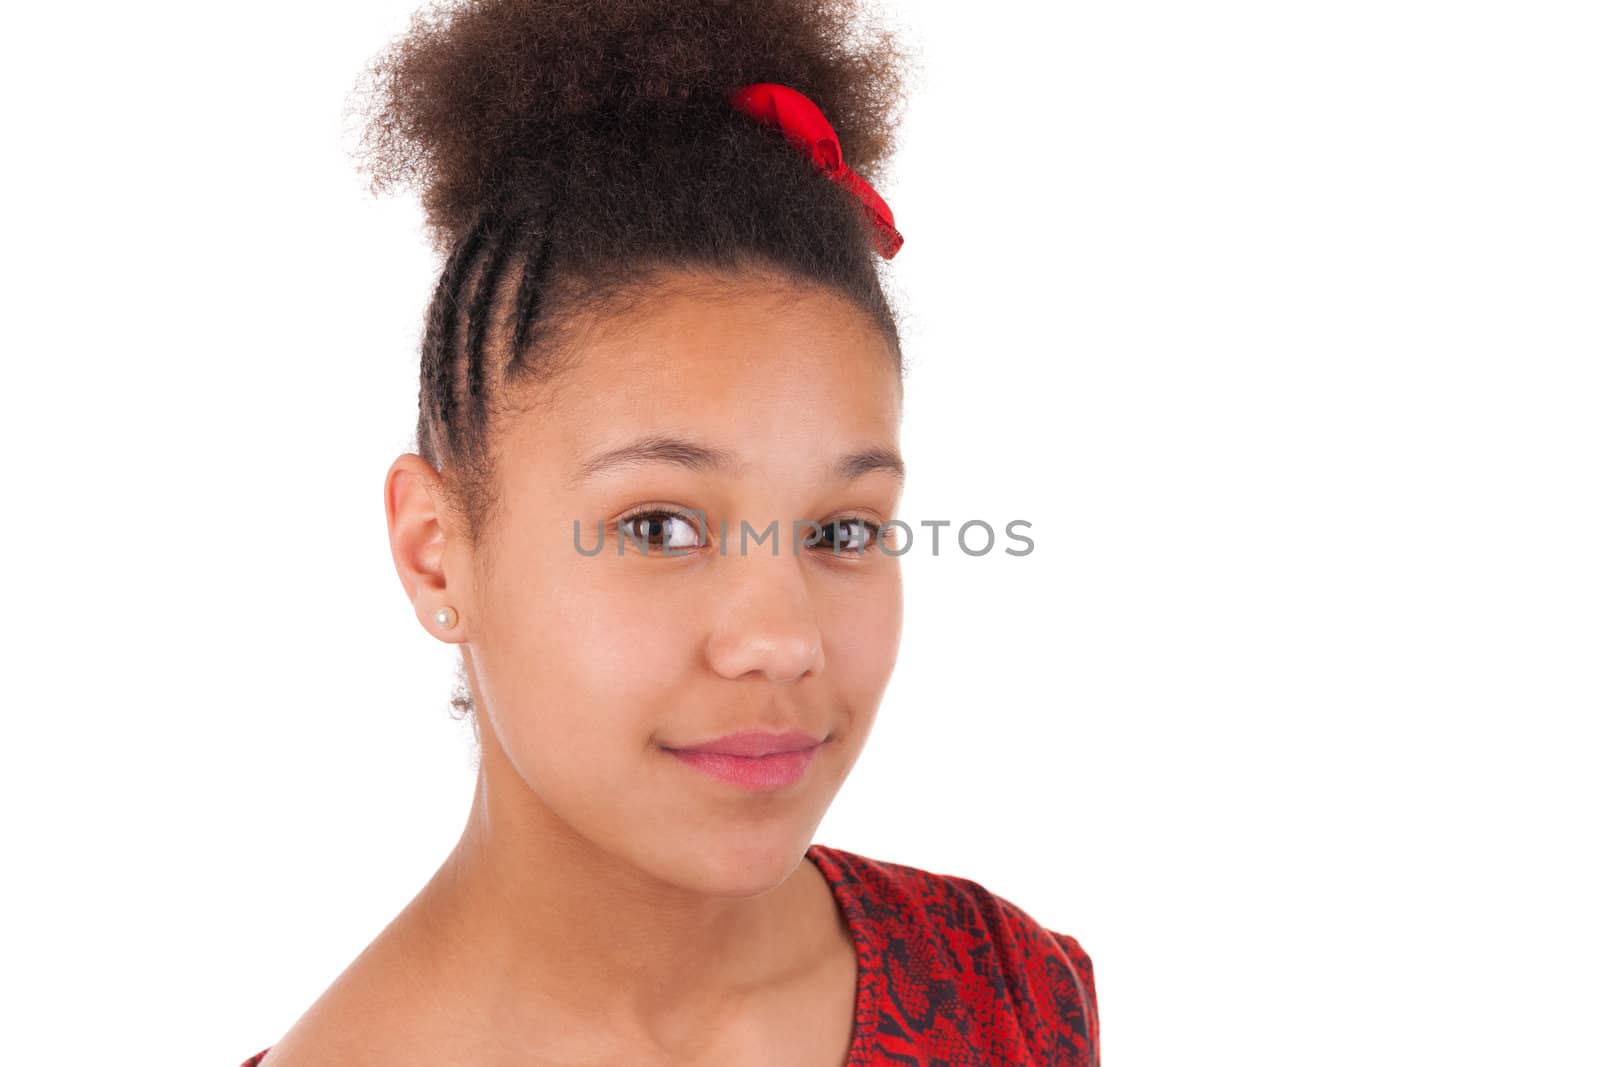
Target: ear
[{"x": 421, "y": 542}]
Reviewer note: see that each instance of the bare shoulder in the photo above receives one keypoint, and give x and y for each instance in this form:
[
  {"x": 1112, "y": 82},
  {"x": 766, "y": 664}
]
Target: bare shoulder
[{"x": 371, "y": 1014}]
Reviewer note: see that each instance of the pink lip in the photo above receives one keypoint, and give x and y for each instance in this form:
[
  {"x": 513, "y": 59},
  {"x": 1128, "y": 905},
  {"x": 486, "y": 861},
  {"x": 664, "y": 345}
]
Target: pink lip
[
  {"x": 754, "y": 759},
  {"x": 754, "y": 743}
]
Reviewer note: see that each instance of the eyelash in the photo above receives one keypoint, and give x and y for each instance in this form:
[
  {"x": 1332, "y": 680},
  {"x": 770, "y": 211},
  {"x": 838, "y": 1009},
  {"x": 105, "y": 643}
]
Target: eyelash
[{"x": 875, "y": 530}]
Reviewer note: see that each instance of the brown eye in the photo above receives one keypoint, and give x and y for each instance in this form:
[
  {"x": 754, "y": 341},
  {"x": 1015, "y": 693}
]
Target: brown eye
[
  {"x": 660, "y": 529},
  {"x": 848, "y": 536}
]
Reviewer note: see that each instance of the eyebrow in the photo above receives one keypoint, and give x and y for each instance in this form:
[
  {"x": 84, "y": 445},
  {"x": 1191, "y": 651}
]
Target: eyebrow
[{"x": 704, "y": 459}]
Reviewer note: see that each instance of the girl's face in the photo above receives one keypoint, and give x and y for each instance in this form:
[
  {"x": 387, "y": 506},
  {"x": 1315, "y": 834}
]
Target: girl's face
[{"x": 755, "y": 405}]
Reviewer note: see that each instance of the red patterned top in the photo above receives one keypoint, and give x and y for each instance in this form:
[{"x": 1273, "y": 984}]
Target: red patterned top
[{"x": 949, "y": 974}]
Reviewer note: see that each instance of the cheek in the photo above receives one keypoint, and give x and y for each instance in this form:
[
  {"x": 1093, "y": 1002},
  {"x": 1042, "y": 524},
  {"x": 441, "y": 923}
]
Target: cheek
[
  {"x": 628, "y": 638},
  {"x": 585, "y": 654},
  {"x": 861, "y": 633}
]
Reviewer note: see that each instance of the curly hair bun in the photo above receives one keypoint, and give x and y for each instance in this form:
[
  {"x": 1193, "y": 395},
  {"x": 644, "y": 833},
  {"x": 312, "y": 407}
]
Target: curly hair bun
[{"x": 491, "y": 102}]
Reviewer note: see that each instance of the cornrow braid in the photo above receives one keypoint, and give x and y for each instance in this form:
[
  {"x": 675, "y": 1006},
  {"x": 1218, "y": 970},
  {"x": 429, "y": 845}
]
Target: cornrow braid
[
  {"x": 454, "y": 406},
  {"x": 501, "y": 243},
  {"x": 530, "y": 289},
  {"x": 437, "y": 398}
]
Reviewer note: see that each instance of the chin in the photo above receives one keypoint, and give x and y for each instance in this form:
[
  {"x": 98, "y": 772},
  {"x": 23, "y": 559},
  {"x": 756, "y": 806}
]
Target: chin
[{"x": 740, "y": 865}]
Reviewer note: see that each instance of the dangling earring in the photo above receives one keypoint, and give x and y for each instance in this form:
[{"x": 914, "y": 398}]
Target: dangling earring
[{"x": 446, "y": 616}]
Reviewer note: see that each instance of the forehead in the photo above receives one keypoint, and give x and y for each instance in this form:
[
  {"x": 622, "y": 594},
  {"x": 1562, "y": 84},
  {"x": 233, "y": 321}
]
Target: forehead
[{"x": 783, "y": 378}]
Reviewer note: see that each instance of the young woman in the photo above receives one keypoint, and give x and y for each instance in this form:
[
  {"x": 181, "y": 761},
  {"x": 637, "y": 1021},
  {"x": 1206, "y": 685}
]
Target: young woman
[{"x": 657, "y": 459}]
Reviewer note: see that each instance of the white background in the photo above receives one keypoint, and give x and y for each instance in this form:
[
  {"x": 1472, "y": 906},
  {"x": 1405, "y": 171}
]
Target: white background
[{"x": 1277, "y": 320}]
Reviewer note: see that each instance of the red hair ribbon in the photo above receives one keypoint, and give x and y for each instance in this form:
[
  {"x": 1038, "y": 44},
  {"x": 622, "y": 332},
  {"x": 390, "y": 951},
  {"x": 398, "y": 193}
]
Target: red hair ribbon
[{"x": 805, "y": 127}]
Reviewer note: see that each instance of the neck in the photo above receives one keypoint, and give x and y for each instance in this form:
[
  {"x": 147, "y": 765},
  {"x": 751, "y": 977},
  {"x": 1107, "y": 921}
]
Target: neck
[{"x": 532, "y": 922}]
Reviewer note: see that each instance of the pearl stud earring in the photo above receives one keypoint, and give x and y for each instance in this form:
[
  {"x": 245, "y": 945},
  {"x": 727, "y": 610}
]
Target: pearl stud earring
[{"x": 446, "y": 616}]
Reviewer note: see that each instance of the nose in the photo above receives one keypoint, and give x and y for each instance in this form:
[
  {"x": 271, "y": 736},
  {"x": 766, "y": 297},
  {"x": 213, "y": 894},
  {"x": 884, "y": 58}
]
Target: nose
[{"x": 768, "y": 624}]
